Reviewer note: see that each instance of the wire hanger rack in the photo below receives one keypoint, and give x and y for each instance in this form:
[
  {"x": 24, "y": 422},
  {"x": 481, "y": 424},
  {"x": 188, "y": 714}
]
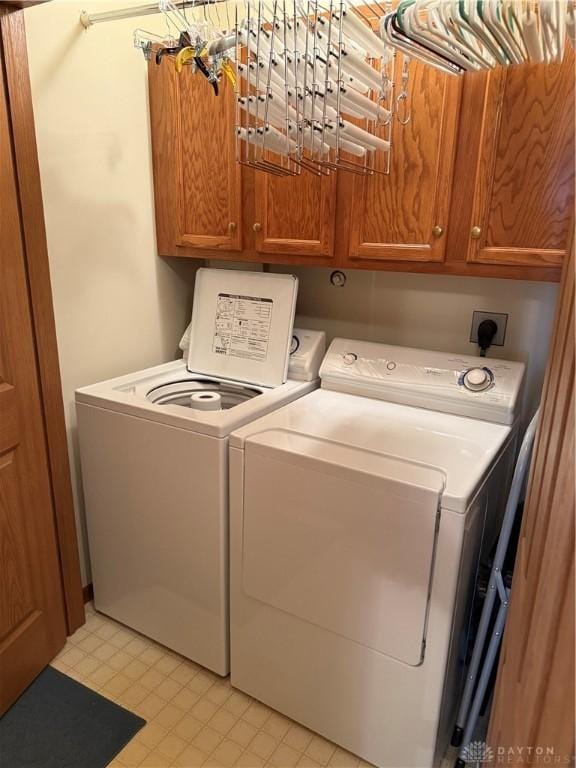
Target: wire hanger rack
[
  {"x": 314, "y": 84},
  {"x": 319, "y": 84}
]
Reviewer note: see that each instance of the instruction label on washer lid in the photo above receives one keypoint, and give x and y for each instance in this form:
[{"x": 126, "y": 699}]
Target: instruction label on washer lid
[{"x": 242, "y": 326}]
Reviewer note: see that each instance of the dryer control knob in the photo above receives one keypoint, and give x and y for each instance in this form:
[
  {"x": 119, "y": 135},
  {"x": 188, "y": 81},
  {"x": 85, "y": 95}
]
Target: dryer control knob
[{"x": 477, "y": 379}]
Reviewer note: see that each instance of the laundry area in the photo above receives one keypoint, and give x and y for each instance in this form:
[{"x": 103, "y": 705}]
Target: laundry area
[{"x": 287, "y": 383}]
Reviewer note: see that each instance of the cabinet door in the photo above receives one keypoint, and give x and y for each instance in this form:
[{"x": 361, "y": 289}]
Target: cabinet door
[
  {"x": 197, "y": 182},
  {"x": 403, "y": 216},
  {"x": 524, "y": 196},
  {"x": 295, "y": 215}
]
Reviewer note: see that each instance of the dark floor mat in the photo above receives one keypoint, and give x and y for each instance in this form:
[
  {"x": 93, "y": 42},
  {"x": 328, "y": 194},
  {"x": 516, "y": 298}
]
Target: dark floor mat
[{"x": 59, "y": 723}]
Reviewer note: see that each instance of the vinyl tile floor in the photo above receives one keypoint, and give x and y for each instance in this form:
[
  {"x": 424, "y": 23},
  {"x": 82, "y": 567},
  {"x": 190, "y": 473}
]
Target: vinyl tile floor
[{"x": 194, "y": 717}]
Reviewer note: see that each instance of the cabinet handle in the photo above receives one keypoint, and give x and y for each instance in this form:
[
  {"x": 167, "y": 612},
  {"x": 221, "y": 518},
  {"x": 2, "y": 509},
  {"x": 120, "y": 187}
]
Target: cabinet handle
[
  {"x": 232, "y": 227},
  {"x": 475, "y": 233},
  {"x": 437, "y": 231},
  {"x": 257, "y": 227}
]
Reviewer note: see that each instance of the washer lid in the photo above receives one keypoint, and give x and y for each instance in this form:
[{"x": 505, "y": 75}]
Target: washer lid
[{"x": 242, "y": 325}]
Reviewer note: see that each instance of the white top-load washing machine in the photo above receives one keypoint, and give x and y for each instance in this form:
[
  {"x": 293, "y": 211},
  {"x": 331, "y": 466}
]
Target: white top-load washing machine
[
  {"x": 154, "y": 452},
  {"x": 358, "y": 514}
]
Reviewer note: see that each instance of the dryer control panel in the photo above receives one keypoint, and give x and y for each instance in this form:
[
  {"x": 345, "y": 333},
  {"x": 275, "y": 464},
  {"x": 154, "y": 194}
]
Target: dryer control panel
[{"x": 479, "y": 387}]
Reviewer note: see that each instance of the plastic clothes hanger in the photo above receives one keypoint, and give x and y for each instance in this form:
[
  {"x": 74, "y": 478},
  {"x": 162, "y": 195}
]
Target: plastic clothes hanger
[
  {"x": 469, "y": 10},
  {"x": 184, "y": 56},
  {"x": 406, "y": 20},
  {"x": 396, "y": 38},
  {"x": 267, "y": 137},
  {"x": 363, "y": 138},
  {"x": 355, "y": 103},
  {"x": 358, "y": 73},
  {"x": 360, "y": 69},
  {"x": 483, "y": 24},
  {"x": 435, "y": 29},
  {"x": 492, "y": 14},
  {"x": 334, "y": 139},
  {"x": 469, "y": 43},
  {"x": 510, "y": 13},
  {"x": 571, "y": 24},
  {"x": 355, "y": 29},
  {"x": 561, "y": 13},
  {"x": 553, "y": 25},
  {"x": 547, "y": 31},
  {"x": 167, "y": 51},
  {"x": 174, "y": 46},
  {"x": 530, "y": 29},
  {"x": 209, "y": 74},
  {"x": 147, "y": 40}
]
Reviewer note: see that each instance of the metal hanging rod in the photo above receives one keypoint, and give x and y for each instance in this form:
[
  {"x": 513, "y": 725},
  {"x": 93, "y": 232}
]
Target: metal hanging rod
[{"x": 88, "y": 19}]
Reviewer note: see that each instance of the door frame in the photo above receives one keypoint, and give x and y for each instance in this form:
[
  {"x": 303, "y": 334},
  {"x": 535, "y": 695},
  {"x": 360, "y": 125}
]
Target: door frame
[
  {"x": 534, "y": 696},
  {"x": 19, "y": 97}
]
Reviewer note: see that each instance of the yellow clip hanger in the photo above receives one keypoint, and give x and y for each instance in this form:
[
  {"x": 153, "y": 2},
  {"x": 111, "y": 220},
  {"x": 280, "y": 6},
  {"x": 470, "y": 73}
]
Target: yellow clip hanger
[
  {"x": 186, "y": 54},
  {"x": 228, "y": 70}
]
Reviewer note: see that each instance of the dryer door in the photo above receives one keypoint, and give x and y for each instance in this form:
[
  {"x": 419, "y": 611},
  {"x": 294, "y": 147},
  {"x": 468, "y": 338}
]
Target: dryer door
[{"x": 341, "y": 537}]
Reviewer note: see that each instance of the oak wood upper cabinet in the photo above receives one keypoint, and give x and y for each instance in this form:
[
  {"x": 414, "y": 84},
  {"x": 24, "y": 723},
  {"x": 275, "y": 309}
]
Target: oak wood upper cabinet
[
  {"x": 197, "y": 182},
  {"x": 295, "y": 215},
  {"x": 480, "y": 181},
  {"x": 207, "y": 204},
  {"x": 403, "y": 216},
  {"x": 522, "y": 212}
]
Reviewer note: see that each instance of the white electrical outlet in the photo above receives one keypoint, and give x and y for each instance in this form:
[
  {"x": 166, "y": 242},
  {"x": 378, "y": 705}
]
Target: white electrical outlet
[{"x": 499, "y": 318}]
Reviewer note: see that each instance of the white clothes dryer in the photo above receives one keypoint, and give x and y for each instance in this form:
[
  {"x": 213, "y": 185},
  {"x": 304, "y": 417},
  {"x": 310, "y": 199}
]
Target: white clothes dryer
[
  {"x": 154, "y": 453},
  {"x": 358, "y": 516}
]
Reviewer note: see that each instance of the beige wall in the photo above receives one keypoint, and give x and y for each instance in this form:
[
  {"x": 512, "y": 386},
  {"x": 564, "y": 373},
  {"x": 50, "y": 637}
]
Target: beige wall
[
  {"x": 118, "y": 307},
  {"x": 432, "y": 312}
]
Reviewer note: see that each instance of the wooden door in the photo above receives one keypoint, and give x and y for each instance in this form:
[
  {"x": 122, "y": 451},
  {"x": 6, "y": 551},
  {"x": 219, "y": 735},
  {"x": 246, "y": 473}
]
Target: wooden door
[
  {"x": 197, "y": 182},
  {"x": 32, "y": 617},
  {"x": 403, "y": 216},
  {"x": 13, "y": 41},
  {"x": 534, "y": 698},
  {"x": 295, "y": 215},
  {"x": 522, "y": 213}
]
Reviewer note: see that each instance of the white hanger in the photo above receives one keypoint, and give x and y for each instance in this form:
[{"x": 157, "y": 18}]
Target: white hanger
[
  {"x": 418, "y": 29},
  {"x": 530, "y": 28},
  {"x": 308, "y": 72},
  {"x": 474, "y": 46},
  {"x": 502, "y": 20},
  {"x": 547, "y": 31},
  {"x": 482, "y": 30},
  {"x": 355, "y": 72},
  {"x": 360, "y": 68},
  {"x": 357, "y": 30},
  {"x": 440, "y": 25},
  {"x": 267, "y": 138},
  {"x": 333, "y": 138},
  {"x": 362, "y": 137},
  {"x": 571, "y": 24},
  {"x": 463, "y": 29},
  {"x": 561, "y": 13},
  {"x": 412, "y": 48},
  {"x": 473, "y": 34},
  {"x": 511, "y": 19}
]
